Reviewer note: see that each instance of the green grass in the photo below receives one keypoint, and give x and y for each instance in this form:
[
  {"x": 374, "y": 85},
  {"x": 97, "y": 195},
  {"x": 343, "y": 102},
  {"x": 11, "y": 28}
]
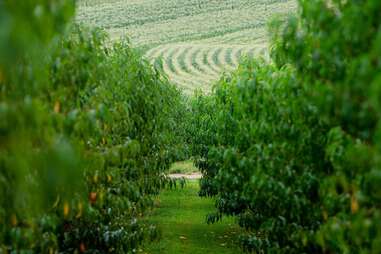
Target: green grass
[
  {"x": 181, "y": 217},
  {"x": 207, "y": 26},
  {"x": 183, "y": 167}
]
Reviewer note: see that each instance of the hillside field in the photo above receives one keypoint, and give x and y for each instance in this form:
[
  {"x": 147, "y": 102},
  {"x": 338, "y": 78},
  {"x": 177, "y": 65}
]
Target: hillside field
[{"x": 197, "y": 40}]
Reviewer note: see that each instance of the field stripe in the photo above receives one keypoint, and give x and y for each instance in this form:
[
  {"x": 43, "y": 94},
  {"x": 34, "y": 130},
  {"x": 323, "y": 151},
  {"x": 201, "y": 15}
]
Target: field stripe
[{"x": 197, "y": 66}]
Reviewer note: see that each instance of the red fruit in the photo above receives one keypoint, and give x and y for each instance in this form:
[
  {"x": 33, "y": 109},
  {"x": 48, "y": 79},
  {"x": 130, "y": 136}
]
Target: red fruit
[
  {"x": 66, "y": 209},
  {"x": 82, "y": 248},
  {"x": 93, "y": 197}
]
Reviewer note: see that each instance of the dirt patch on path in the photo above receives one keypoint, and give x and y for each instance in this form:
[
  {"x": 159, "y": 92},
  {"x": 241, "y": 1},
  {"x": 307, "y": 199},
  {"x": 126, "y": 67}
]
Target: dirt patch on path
[{"x": 186, "y": 176}]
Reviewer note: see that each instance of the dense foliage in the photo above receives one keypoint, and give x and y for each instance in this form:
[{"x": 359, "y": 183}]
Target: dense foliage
[
  {"x": 293, "y": 148},
  {"x": 86, "y": 133},
  {"x": 338, "y": 55},
  {"x": 263, "y": 156}
]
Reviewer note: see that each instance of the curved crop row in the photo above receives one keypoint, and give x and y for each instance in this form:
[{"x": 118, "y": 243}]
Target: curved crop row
[{"x": 195, "y": 65}]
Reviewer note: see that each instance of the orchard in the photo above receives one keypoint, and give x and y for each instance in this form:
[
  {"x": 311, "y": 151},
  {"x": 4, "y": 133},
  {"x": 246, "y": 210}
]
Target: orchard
[{"x": 289, "y": 147}]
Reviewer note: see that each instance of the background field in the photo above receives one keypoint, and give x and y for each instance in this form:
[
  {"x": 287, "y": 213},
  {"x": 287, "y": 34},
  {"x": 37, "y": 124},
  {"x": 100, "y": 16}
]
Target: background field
[{"x": 196, "y": 39}]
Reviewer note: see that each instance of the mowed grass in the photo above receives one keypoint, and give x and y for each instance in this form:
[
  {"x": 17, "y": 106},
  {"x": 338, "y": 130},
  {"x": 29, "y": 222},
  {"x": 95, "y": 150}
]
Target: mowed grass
[
  {"x": 185, "y": 34},
  {"x": 181, "y": 216},
  {"x": 152, "y": 22}
]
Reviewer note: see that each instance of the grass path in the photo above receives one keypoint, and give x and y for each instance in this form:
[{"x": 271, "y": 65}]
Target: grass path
[{"x": 180, "y": 215}]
